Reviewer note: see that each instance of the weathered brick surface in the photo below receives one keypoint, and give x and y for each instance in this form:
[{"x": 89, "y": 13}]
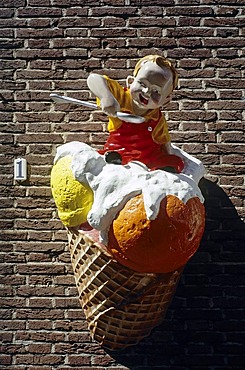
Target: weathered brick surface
[{"x": 52, "y": 45}]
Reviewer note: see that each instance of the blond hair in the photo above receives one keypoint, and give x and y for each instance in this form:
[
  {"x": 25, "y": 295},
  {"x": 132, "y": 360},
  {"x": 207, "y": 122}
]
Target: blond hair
[{"x": 161, "y": 62}]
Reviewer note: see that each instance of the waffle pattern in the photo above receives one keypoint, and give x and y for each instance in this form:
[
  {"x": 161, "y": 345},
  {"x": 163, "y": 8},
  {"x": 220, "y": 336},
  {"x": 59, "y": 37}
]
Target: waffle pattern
[{"x": 121, "y": 306}]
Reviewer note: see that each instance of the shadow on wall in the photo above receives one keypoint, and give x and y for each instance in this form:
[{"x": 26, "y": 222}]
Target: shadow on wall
[{"x": 205, "y": 324}]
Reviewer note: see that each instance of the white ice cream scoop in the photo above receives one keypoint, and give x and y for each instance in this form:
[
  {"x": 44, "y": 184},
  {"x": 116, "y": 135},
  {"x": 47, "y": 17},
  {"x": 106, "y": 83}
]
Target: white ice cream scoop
[{"x": 121, "y": 115}]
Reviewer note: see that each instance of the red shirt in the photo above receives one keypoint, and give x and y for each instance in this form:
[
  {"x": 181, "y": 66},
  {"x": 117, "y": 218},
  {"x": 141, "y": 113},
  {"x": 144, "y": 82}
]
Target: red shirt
[{"x": 134, "y": 143}]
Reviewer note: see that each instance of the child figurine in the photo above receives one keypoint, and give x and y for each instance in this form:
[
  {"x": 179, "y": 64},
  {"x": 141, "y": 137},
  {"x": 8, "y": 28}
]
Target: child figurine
[{"x": 150, "y": 88}]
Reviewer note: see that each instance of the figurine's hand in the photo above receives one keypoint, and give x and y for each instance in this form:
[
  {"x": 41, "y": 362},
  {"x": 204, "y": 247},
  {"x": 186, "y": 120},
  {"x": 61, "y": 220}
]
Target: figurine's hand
[{"x": 110, "y": 105}]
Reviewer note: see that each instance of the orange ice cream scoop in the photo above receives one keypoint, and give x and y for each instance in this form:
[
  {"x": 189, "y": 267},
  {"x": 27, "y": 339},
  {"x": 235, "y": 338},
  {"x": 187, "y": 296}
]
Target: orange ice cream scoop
[{"x": 161, "y": 245}]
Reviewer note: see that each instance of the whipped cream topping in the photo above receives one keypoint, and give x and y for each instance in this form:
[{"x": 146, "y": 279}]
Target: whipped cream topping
[{"x": 113, "y": 185}]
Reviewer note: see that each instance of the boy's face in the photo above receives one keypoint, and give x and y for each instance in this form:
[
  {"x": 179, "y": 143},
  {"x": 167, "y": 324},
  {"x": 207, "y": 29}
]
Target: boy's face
[{"x": 152, "y": 85}]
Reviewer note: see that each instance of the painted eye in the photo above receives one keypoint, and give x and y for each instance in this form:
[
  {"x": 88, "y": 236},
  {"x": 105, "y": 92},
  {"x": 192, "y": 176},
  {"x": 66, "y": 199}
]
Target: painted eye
[
  {"x": 155, "y": 92},
  {"x": 155, "y": 95},
  {"x": 142, "y": 84}
]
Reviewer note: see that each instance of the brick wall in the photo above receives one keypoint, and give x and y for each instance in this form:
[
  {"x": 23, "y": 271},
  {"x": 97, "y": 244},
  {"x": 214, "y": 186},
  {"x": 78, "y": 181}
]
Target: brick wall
[{"x": 52, "y": 45}]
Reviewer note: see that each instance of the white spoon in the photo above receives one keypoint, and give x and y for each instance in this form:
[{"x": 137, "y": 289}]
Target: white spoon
[{"x": 124, "y": 116}]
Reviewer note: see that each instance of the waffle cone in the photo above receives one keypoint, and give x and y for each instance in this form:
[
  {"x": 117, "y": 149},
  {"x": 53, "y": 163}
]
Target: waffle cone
[{"x": 121, "y": 306}]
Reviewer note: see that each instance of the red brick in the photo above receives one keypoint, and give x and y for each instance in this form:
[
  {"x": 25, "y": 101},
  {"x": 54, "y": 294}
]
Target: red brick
[
  {"x": 41, "y": 138},
  {"x": 148, "y": 42},
  {"x": 76, "y": 42},
  {"x": 39, "y": 12},
  {"x": 38, "y": 33},
  {"x": 223, "y": 42},
  {"x": 232, "y": 105},
  {"x": 5, "y": 360},
  {"x": 114, "y": 22},
  {"x": 104, "y": 360},
  {"x": 230, "y": 137},
  {"x": 79, "y": 360},
  {"x": 84, "y": 22},
  {"x": 74, "y": 11},
  {"x": 190, "y": 11},
  {"x": 40, "y": 269},
  {"x": 39, "y": 53},
  {"x": 39, "y": 348},
  {"x": 151, "y": 21}
]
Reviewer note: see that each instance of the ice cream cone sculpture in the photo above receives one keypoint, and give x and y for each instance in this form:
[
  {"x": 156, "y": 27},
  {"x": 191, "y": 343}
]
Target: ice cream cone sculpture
[
  {"x": 133, "y": 211},
  {"x": 131, "y": 231}
]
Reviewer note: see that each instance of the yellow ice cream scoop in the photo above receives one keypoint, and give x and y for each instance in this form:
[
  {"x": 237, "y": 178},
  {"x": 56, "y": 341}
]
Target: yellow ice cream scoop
[{"x": 72, "y": 198}]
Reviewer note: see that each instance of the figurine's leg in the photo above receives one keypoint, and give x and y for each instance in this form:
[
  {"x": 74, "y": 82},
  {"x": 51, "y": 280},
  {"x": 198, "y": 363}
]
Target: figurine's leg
[
  {"x": 113, "y": 157},
  {"x": 169, "y": 169},
  {"x": 171, "y": 163}
]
